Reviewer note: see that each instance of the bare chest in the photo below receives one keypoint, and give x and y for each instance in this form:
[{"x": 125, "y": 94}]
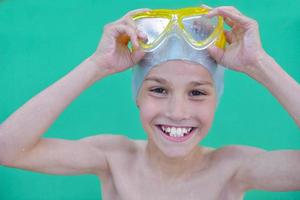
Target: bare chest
[{"x": 129, "y": 181}]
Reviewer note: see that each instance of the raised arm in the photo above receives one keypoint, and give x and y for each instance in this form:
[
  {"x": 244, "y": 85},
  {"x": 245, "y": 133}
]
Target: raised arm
[
  {"x": 280, "y": 84},
  {"x": 22, "y": 131},
  {"x": 245, "y": 54},
  {"x": 259, "y": 169},
  {"x": 21, "y": 142}
]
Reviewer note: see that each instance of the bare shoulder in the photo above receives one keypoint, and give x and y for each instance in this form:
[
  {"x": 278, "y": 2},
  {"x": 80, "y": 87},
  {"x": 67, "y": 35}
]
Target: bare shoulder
[
  {"x": 111, "y": 142},
  {"x": 241, "y": 150},
  {"x": 233, "y": 155}
]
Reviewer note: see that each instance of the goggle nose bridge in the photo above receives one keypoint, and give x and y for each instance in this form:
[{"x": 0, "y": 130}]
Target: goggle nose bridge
[
  {"x": 174, "y": 17},
  {"x": 174, "y": 22},
  {"x": 177, "y": 27}
]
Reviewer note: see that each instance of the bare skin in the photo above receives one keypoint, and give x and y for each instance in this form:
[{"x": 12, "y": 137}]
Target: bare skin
[{"x": 157, "y": 168}]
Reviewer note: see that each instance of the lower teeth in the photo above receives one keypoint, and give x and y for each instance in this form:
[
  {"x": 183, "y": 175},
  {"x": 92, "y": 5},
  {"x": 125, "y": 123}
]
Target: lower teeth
[{"x": 169, "y": 134}]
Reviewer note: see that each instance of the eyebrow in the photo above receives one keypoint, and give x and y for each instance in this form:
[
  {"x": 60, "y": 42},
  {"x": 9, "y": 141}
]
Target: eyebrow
[
  {"x": 194, "y": 83},
  {"x": 156, "y": 79}
]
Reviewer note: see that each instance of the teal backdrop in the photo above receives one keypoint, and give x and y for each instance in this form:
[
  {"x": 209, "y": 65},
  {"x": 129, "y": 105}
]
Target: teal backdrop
[{"x": 41, "y": 41}]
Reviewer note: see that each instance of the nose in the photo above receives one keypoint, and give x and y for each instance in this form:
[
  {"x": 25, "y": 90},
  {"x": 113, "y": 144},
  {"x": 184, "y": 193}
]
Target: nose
[{"x": 177, "y": 108}]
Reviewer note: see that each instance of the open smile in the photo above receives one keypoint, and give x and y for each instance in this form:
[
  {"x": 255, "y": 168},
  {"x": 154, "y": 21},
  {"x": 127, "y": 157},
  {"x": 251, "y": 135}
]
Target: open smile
[{"x": 176, "y": 134}]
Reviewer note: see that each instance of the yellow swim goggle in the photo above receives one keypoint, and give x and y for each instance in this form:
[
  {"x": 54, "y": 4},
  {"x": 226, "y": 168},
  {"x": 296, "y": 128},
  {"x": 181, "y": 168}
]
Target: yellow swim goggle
[{"x": 190, "y": 23}]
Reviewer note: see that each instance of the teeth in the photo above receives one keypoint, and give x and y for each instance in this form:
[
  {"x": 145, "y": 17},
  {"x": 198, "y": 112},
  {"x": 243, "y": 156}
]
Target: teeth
[
  {"x": 173, "y": 132},
  {"x": 176, "y": 132}
]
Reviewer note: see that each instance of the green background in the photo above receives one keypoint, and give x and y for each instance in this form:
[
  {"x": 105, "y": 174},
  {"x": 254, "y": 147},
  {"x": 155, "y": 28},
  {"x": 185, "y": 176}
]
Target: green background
[{"x": 41, "y": 41}]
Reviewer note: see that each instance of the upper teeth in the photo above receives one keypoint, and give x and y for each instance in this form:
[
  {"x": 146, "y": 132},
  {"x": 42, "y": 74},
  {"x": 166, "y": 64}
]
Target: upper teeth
[{"x": 175, "y": 131}]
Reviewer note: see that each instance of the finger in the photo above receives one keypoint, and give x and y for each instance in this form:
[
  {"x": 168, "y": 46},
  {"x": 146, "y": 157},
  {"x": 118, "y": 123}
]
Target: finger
[
  {"x": 228, "y": 21},
  {"x": 137, "y": 55},
  {"x": 142, "y": 36},
  {"x": 129, "y": 21},
  {"x": 131, "y": 13},
  {"x": 216, "y": 53},
  {"x": 231, "y": 13},
  {"x": 229, "y": 36},
  {"x": 125, "y": 33},
  {"x": 215, "y": 11}
]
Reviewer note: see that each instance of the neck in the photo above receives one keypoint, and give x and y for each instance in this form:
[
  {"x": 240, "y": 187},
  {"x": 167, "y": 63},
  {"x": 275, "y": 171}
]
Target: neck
[{"x": 171, "y": 168}]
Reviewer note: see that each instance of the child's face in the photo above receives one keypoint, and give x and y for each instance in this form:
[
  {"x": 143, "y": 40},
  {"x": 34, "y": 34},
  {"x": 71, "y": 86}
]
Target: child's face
[{"x": 176, "y": 96}]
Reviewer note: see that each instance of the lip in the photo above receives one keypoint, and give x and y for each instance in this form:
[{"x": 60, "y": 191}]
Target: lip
[{"x": 176, "y": 139}]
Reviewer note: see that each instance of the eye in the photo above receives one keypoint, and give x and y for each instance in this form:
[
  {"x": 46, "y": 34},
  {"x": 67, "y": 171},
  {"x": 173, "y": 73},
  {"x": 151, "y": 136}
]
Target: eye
[
  {"x": 158, "y": 90},
  {"x": 197, "y": 93}
]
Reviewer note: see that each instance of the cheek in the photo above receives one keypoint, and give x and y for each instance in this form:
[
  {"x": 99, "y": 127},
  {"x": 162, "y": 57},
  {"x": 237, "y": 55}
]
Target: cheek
[
  {"x": 205, "y": 113},
  {"x": 148, "y": 110},
  {"x": 208, "y": 116}
]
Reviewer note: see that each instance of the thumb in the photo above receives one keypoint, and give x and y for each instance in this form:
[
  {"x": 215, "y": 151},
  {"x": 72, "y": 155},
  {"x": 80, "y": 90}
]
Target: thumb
[
  {"x": 137, "y": 55},
  {"x": 216, "y": 53}
]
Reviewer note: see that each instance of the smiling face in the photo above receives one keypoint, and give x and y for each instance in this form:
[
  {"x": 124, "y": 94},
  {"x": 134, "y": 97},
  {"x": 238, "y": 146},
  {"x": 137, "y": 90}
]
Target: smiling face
[{"x": 177, "y": 103}]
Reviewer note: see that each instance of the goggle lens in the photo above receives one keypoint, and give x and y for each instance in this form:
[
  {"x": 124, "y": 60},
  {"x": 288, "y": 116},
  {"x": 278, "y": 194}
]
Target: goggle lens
[
  {"x": 152, "y": 27},
  {"x": 199, "y": 27}
]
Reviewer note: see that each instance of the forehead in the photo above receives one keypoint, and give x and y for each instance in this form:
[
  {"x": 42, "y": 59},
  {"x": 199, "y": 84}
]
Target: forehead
[{"x": 179, "y": 70}]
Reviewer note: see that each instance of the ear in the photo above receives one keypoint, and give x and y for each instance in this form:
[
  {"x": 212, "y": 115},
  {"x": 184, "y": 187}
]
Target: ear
[
  {"x": 137, "y": 104},
  {"x": 137, "y": 101}
]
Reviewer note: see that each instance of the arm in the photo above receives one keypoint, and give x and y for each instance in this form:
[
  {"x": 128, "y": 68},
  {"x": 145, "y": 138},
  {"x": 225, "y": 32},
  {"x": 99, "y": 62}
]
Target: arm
[
  {"x": 20, "y": 134},
  {"x": 22, "y": 130},
  {"x": 245, "y": 54},
  {"x": 267, "y": 170},
  {"x": 260, "y": 169},
  {"x": 21, "y": 142},
  {"x": 283, "y": 87}
]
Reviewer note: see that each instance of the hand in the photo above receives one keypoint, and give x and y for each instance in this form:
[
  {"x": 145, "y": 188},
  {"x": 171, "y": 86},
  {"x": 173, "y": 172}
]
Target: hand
[
  {"x": 112, "y": 54},
  {"x": 244, "y": 50}
]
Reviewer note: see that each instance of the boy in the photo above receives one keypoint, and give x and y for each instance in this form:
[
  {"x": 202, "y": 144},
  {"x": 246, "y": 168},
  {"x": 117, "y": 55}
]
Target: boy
[{"x": 165, "y": 166}]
